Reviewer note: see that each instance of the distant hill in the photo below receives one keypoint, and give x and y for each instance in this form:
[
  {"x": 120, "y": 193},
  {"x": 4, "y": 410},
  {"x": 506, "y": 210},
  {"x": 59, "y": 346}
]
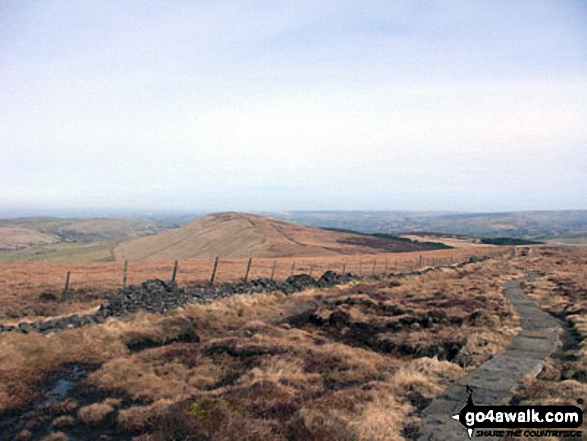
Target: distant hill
[
  {"x": 17, "y": 237},
  {"x": 51, "y": 239},
  {"x": 24, "y": 232},
  {"x": 240, "y": 235},
  {"x": 531, "y": 225}
]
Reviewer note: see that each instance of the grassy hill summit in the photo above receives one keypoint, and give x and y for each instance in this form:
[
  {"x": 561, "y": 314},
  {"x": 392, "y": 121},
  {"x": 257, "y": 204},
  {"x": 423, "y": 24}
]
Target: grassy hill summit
[{"x": 240, "y": 235}]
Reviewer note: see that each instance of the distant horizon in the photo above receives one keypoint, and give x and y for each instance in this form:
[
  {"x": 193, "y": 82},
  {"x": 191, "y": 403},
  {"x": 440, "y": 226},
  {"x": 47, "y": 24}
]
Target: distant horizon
[{"x": 86, "y": 213}]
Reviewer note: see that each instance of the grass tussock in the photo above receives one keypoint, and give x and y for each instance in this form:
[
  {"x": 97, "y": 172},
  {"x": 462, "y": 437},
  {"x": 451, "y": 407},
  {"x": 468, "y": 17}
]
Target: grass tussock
[
  {"x": 97, "y": 412},
  {"x": 356, "y": 362}
]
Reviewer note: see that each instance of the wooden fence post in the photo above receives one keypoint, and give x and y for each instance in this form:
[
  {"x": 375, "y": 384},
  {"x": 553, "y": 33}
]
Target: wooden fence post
[
  {"x": 273, "y": 269},
  {"x": 360, "y": 267},
  {"x": 343, "y": 268},
  {"x": 311, "y": 269},
  {"x": 293, "y": 267},
  {"x": 174, "y": 274},
  {"x": 66, "y": 287},
  {"x": 248, "y": 269},
  {"x": 124, "y": 273},
  {"x": 214, "y": 270},
  {"x": 420, "y": 261}
]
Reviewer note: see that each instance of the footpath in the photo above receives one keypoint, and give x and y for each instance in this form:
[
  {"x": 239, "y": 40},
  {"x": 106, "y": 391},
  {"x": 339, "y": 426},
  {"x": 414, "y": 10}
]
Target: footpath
[{"x": 495, "y": 381}]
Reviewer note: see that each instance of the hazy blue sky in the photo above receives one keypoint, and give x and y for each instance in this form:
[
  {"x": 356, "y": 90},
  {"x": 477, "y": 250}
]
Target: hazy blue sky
[{"x": 272, "y": 105}]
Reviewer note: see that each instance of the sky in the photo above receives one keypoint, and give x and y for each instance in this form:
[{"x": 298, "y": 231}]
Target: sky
[{"x": 299, "y": 105}]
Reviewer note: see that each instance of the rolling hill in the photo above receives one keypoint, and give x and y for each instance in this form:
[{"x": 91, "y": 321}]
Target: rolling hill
[
  {"x": 21, "y": 233},
  {"x": 50, "y": 239},
  {"x": 531, "y": 225},
  {"x": 240, "y": 235},
  {"x": 17, "y": 237},
  {"x": 83, "y": 230}
]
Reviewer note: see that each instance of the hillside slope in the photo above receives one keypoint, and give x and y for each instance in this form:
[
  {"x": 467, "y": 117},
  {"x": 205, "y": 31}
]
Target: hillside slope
[
  {"x": 79, "y": 230},
  {"x": 16, "y": 237},
  {"x": 240, "y": 235}
]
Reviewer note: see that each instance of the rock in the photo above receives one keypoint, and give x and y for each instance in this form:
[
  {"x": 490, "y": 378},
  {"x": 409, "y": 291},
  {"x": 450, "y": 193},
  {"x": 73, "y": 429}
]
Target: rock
[
  {"x": 329, "y": 278},
  {"x": 299, "y": 315},
  {"x": 26, "y": 328},
  {"x": 300, "y": 282}
]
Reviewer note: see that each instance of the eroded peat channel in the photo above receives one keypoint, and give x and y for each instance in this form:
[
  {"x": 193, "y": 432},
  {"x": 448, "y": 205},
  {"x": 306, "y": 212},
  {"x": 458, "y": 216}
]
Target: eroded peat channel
[{"x": 61, "y": 396}]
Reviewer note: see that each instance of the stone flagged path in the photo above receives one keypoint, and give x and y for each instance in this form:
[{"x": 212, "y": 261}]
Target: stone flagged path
[{"x": 495, "y": 381}]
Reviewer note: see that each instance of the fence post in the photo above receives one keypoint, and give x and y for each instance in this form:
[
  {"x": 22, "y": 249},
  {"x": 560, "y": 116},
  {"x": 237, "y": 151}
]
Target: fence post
[
  {"x": 174, "y": 274},
  {"x": 214, "y": 270},
  {"x": 248, "y": 269},
  {"x": 360, "y": 267},
  {"x": 124, "y": 273},
  {"x": 273, "y": 269},
  {"x": 311, "y": 269},
  {"x": 293, "y": 267},
  {"x": 66, "y": 287},
  {"x": 420, "y": 261},
  {"x": 343, "y": 268}
]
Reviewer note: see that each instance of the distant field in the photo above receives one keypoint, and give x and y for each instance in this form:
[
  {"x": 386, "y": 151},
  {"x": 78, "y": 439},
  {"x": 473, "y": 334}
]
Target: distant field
[
  {"x": 71, "y": 252},
  {"x": 568, "y": 241},
  {"x": 451, "y": 240}
]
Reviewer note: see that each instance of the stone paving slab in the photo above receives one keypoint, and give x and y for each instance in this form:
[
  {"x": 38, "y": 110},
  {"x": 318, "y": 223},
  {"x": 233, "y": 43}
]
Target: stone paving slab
[
  {"x": 495, "y": 381},
  {"x": 458, "y": 393},
  {"x": 536, "y": 347}
]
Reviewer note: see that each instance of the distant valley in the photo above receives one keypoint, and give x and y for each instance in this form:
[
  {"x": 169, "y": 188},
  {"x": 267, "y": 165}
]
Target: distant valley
[{"x": 533, "y": 225}]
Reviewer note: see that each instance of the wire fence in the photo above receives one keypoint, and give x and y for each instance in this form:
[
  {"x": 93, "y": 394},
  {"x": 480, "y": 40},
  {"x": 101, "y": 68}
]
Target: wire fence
[{"x": 20, "y": 278}]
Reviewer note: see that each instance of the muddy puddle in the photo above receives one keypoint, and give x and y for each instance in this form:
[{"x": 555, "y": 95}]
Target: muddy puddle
[{"x": 57, "y": 411}]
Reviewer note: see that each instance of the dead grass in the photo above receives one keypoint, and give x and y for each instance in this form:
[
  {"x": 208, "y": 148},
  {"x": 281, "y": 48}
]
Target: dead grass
[
  {"x": 563, "y": 292},
  {"x": 63, "y": 421},
  {"x": 56, "y": 436},
  {"x": 25, "y": 360},
  {"x": 34, "y": 290},
  {"x": 97, "y": 412},
  {"x": 361, "y": 365}
]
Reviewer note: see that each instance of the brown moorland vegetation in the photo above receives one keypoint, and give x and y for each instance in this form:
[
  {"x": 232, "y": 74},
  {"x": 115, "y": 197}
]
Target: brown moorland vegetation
[
  {"x": 357, "y": 361},
  {"x": 34, "y": 290},
  {"x": 352, "y": 362}
]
